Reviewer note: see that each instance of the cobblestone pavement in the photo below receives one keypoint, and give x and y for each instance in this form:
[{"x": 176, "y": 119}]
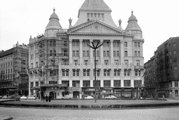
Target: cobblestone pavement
[{"x": 56, "y": 114}]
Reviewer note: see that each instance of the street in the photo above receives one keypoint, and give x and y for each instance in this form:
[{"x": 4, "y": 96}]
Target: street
[{"x": 56, "y": 114}]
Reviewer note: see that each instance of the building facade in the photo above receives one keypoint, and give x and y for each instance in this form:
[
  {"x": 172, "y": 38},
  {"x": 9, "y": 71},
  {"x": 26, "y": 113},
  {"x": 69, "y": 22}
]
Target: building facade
[
  {"x": 13, "y": 70},
  {"x": 166, "y": 69},
  {"x": 119, "y": 60}
]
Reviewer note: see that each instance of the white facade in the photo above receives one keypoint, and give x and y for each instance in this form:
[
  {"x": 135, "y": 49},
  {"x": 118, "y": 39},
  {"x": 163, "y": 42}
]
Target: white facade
[{"x": 119, "y": 60}]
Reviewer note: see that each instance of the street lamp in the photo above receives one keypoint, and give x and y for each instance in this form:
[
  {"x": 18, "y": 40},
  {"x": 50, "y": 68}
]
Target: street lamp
[{"x": 95, "y": 45}]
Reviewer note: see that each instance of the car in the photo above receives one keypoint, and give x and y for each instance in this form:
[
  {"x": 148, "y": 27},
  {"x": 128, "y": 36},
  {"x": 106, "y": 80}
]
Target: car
[
  {"x": 23, "y": 97},
  {"x": 31, "y": 98},
  {"x": 88, "y": 97},
  {"x": 111, "y": 97},
  {"x": 15, "y": 97},
  {"x": 4, "y": 97}
]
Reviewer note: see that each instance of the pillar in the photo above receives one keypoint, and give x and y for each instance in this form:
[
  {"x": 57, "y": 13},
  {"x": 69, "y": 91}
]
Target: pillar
[
  {"x": 111, "y": 51},
  {"x": 70, "y": 52},
  {"x": 81, "y": 51}
]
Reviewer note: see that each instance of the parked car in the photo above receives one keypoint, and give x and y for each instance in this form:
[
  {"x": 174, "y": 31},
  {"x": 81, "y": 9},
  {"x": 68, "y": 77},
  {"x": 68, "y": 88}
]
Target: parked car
[
  {"x": 23, "y": 97},
  {"x": 31, "y": 98},
  {"x": 15, "y": 97},
  {"x": 88, "y": 97},
  {"x": 111, "y": 97}
]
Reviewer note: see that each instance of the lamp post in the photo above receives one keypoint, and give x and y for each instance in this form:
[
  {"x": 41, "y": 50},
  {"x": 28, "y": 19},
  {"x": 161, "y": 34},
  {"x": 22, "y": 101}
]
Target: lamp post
[{"x": 95, "y": 45}]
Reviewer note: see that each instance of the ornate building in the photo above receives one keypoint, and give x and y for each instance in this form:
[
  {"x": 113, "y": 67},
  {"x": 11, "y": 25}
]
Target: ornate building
[
  {"x": 13, "y": 70},
  {"x": 119, "y": 59}
]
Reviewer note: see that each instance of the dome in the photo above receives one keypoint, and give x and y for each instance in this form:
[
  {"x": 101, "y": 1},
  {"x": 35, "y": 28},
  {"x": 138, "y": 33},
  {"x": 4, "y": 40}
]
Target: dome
[
  {"x": 132, "y": 23},
  {"x": 94, "y": 5},
  {"x": 53, "y": 22}
]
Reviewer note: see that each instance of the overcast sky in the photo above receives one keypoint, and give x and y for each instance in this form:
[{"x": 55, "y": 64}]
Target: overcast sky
[{"x": 158, "y": 19}]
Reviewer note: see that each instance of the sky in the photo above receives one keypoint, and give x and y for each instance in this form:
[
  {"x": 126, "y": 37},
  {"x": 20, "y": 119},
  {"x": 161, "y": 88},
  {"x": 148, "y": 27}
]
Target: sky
[{"x": 158, "y": 19}]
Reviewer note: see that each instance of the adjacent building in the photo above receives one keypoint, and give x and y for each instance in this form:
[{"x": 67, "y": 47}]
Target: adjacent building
[
  {"x": 13, "y": 70},
  {"x": 62, "y": 56},
  {"x": 164, "y": 65}
]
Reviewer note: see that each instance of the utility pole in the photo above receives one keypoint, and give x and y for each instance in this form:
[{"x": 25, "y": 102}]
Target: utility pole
[{"x": 95, "y": 45}]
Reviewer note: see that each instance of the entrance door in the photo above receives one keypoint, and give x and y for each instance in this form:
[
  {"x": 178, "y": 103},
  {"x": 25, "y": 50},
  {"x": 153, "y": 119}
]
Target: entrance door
[
  {"x": 76, "y": 94},
  {"x": 52, "y": 95}
]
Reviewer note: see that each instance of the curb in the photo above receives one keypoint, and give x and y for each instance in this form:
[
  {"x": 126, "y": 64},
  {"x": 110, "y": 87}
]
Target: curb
[{"x": 92, "y": 107}]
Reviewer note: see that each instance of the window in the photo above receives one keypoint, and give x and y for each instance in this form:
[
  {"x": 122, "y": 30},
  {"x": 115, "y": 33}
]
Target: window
[
  {"x": 106, "y": 62},
  {"x": 107, "y": 83},
  {"x": 98, "y": 72},
  {"x": 76, "y": 83},
  {"x": 114, "y": 53},
  {"x": 125, "y": 44},
  {"x": 86, "y": 83},
  {"x": 31, "y": 56},
  {"x": 138, "y": 62},
  {"x": 87, "y": 53},
  {"x": 84, "y": 72},
  {"x": 125, "y": 53},
  {"x": 108, "y": 55},
  {"x": 127, "y": 83},
  {"x": 84, "y": 54},
  {"x": 88, "y": 72},
  {"x": 105, "y": 72},
  {"x": 51, "y": 52},
  {"x": 118, "y": 54},
  {"x": 65, "y": 82},
  {"x": 139, "y": 53},
  {"x": 77, "y": 53},
  {"x": 76, "y": 62},
  {"x": 117, "y": 83},
  {"x": 63, "y": 72},
  {"x": 116, "y": 62},
  {"x": 96, "y": 83},
  {"x": 36, "y": 64},
  {"x": 138, "y": 44},
  {"x": 36, "y": 83},
  {"x": 77, "y": 72},
  {"x": 135, "y": 53},
  {"x": 137, "y": 83},
  {"x": 31, "y": 84},
  {"x": 108, "y": 72},
  {"x": 176, "y": 93},
  {"x": 73, "y": 54},
  {"x": 176, "y": 83},
  {"x": 98, "y": 55},
  {"x": 104, "y": 53},
  {"x": 31, "y": 65},
  {"x": 86, "y": 62},
  {"x": 117, "y": 72},
  {"x": 74, "y": 72},
  {"x": 126, "y": 62}
]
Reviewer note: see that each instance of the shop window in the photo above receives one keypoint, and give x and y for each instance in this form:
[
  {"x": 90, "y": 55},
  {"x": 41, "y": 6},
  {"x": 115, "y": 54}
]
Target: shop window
[
  {"x": 127, "y": 83},
  {"x": 117, "y": 83},
  {"x": 86, "y": 83},
  {"x": 96, "y": 83},
  {"x": 107, "y": 83}
]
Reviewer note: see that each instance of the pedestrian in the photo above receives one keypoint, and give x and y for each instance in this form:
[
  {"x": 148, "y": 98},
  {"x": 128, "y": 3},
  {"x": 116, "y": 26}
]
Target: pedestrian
[
  {"x": 46, "y": 98},
  {"x": 49, "y": 99}
]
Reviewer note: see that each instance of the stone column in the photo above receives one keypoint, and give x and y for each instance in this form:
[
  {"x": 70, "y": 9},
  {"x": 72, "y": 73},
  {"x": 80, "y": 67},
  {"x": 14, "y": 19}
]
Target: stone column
[
  {"x": 101, "y": 50},
  {"x": 122, "y": 52},
  {"x": 70, "y": 83},
  {"x": 91, "y": 55},
  {"x": 112, "y": 83},
  {"x": 111, "y": 51},
  {"x": 70, "y": 51},
  {"x": 81, "y": 51}
]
